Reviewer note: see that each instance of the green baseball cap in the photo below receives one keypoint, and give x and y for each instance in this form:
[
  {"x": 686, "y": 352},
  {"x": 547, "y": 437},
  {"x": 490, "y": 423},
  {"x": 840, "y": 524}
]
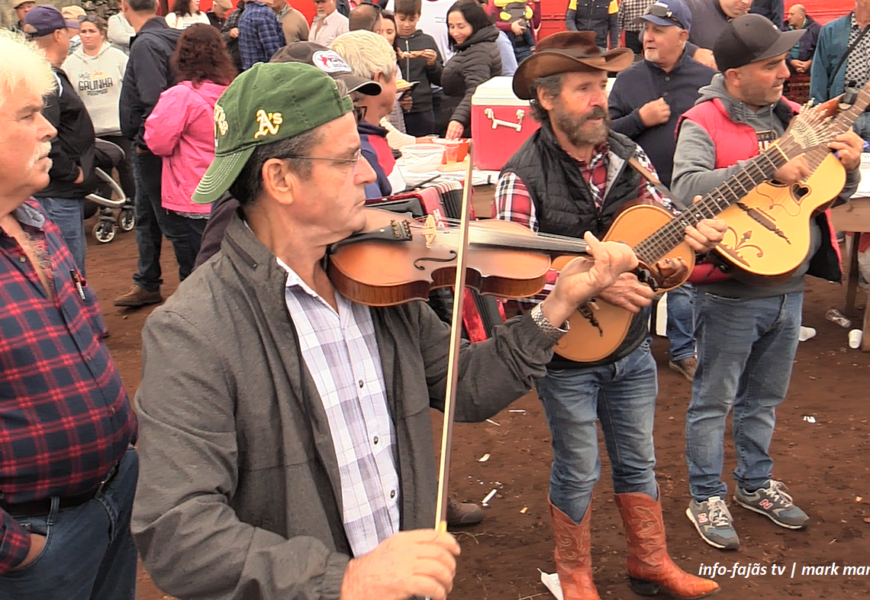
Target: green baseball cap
[{"x": 267, "y": 103}]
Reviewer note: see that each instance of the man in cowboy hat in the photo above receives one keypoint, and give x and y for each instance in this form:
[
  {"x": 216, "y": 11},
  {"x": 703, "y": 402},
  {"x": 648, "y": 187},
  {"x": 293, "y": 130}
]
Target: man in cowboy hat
[{"x": 570, "y": 177}]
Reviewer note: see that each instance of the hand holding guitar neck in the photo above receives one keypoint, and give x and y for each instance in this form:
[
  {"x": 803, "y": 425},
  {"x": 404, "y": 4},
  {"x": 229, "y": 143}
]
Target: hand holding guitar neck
[{"x": 581, "y": 279}]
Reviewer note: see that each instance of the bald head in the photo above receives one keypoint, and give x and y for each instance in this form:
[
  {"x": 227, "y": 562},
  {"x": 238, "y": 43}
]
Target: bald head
[
  {"x": 365, "y": 17},
  {"x": 796, "y": 16}
]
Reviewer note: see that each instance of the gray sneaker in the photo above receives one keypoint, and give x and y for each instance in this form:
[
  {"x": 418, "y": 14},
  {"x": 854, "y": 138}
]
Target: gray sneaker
[
  {"x": 772, "y": 502},
  {"x": 713, "y": 521}
]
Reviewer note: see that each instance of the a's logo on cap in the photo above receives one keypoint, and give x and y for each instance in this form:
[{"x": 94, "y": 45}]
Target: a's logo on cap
[
  {"x": 330, "y": 62},
  {"x": 270, "y": 123},
  {"x": 220, "y": 122}
]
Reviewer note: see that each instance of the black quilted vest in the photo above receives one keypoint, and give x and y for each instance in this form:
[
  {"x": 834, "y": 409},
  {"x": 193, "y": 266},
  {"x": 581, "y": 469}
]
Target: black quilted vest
[{"x": 564, "y": 205}]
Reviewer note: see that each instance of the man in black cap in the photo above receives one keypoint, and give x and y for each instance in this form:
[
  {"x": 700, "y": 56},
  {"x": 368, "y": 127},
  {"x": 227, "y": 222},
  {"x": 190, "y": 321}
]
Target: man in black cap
[
  {"x": 72, "y": 151},
  {"x": 571, "y": 177},
  {"x": 747, "y": 335}
]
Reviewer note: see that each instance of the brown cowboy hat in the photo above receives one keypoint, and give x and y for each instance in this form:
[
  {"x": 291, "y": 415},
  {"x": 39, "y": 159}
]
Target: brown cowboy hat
[{"x": 565, "y": 52}]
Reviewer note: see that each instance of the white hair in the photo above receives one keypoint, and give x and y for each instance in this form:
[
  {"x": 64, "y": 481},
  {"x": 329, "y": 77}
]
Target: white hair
[
  {"x": 23, "y": 64},
  {"x": 366, "y": 53}
]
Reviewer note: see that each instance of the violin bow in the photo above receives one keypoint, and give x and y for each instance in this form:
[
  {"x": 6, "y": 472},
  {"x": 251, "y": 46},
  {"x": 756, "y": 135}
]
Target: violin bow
[{"x": 455, "y": 343}]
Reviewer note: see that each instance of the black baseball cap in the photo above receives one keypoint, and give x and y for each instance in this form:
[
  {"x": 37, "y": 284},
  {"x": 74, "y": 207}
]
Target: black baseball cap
[
  {"x": 328, "y": 61},
  {"x": 751, "y": 38}
]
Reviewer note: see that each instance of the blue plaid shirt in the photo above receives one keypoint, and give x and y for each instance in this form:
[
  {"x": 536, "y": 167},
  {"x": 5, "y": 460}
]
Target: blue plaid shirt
[{"x": 260, "y": 34}]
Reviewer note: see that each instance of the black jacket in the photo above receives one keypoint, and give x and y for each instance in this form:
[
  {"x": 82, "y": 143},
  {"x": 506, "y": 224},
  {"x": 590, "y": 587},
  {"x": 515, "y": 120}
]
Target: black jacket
[
  {"x": 232, "y": 43},
  {"x": 594, "y": 15},
  {"x": 73, "y": 147},
  {"x": 564, "y": 205},
  {"x": 645, "y": 82},
  {"x": 807, "y": 44},
  {"x": 475, "y": 61},
  {"x": 148, "y": 75},
  {"x": 416, "y": 69}
]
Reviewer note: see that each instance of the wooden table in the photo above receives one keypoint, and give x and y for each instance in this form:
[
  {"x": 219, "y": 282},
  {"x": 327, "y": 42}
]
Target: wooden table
[{"x": 854, "y": 218}]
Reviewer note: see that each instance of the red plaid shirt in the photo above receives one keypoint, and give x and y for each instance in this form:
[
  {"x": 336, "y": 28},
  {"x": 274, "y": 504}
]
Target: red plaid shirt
[
  {"x": 65, "y": 419},
  {"x": 513, "y": 202}
]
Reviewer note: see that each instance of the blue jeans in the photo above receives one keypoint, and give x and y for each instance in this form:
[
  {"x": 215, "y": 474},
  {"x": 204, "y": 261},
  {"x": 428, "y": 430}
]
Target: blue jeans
[
  {"x": 153, "y": 222},
  {"x": 89, "y": 552},
  {"x": 862, "y": 126},
  {"x": 622, "y": 397},
  {"x": 681, "y": 322},
  {"x": 745, "y": 354},
  {"x": 69, "y": 216}
]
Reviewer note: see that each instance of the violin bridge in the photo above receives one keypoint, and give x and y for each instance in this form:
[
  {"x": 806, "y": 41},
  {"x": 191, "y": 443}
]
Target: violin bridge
[{"x": 430, "y": 231}]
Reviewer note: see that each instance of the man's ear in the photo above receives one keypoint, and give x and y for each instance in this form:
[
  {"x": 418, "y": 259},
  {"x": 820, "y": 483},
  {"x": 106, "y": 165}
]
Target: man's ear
[
  {"x": 279, "y": 181},
  {"x": 544, "y": 99}
]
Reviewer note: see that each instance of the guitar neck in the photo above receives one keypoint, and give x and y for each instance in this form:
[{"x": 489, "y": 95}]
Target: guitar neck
[{"x": 756, "y": 171}]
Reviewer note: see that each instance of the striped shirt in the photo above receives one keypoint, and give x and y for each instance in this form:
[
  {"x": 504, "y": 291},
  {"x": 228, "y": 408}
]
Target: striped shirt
[{"x": 341, "y": 353}]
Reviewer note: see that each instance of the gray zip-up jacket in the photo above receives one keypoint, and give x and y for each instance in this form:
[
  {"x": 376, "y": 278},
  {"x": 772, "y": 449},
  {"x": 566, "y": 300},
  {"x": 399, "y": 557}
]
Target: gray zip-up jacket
[{"x": 239, "y": 494}]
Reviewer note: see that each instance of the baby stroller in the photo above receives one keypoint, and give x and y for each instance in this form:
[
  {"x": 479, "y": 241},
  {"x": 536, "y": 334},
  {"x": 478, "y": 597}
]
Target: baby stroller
[{"x": 109, "y": 156}]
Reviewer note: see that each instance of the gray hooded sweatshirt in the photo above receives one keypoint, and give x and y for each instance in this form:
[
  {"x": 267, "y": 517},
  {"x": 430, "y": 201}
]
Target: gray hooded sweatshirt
[{"x": 695, "y": 174}]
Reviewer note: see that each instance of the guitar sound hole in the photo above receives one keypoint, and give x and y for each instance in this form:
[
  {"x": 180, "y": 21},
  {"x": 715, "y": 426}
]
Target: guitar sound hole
[{"x": 799, "y": 191}]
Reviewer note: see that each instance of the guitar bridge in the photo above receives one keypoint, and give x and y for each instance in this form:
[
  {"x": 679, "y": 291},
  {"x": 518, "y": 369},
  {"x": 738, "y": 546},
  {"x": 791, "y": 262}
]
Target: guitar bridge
[{"x": 585, "y": 311}]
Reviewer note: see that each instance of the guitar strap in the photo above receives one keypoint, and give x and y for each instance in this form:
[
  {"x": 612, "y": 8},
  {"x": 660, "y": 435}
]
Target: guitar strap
[
  {"x": 663, "y": 191},
  {"x": 843, "y": 58}
]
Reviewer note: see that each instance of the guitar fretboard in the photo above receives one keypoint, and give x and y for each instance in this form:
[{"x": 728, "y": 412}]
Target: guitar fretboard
[{"x": 809, "y": 132}]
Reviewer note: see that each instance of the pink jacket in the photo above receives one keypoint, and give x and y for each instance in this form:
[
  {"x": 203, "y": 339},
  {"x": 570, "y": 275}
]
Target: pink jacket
[{"x": 181, "y": 130}]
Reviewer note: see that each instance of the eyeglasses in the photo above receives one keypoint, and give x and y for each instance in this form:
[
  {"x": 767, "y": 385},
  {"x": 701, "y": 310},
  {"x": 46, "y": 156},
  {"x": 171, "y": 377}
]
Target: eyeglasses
[
  {"x": 663, "y": 12},
  {"x": 355, "y": 160}
]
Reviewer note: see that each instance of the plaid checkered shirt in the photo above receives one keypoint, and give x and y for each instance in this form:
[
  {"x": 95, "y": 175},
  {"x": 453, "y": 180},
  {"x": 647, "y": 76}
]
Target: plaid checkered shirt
[
  {"x": 65, "y": 419},
  {"x": 260, "y": 34},
  {"x": 341, "y": 354},
  {"x": 513, "y": 202},
  {"x": 629, "y": 10}
]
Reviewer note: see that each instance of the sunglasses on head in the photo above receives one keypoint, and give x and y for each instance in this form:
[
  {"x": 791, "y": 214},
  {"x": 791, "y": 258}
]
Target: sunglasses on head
[
  {"x": 88, "y": 18},
  {"x": 663, "y": 12},
  {"x": 375, "y": 6}
]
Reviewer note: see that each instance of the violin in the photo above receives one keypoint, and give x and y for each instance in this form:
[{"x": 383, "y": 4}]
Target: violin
[{"x": 396, "y": 259}]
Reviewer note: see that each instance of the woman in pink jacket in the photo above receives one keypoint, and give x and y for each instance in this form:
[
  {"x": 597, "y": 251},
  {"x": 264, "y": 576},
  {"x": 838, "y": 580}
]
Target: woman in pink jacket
[{"x": 181, "y": 126}]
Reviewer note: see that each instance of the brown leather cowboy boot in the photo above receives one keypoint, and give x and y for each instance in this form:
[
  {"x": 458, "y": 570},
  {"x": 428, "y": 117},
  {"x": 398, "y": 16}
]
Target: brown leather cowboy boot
[
  {"x": 573, "y": 555},
  {"x": 649, "y": 566}
]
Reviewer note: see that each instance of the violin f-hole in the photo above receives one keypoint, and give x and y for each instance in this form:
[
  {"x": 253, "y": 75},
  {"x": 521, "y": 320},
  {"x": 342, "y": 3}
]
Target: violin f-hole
[{"x": 448, "y": 259}]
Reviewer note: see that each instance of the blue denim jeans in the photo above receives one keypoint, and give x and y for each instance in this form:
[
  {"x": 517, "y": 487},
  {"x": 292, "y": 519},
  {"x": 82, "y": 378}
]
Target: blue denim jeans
[
  {"x": 862, "y": 126},
  {"x": 622, "y": 397},
  {"x": 69, "y": 216},
  {"x": 681, "y": 322},
  {"x": 153, "y": 222},
  {"x": 89, "y": 552},
  {"x": 745, "y": 353}
]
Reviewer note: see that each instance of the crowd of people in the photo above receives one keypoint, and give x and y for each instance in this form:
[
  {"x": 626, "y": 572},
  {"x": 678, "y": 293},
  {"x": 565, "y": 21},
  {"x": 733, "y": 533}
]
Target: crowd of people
[{"x": 296, "y": 460}]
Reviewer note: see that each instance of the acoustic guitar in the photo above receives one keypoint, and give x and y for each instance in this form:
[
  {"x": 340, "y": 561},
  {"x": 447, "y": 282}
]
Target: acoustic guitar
[
  {"x": 598, "y": 328},
  {"x": 768, "y": 235}
]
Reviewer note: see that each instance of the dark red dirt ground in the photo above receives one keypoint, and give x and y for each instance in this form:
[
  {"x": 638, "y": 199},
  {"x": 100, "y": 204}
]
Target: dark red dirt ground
[{"x": 825, "y": 465}]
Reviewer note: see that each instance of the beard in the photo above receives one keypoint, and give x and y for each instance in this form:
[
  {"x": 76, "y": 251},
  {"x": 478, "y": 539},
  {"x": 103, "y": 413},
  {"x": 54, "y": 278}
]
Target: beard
[{"x": 572, "y": 126}]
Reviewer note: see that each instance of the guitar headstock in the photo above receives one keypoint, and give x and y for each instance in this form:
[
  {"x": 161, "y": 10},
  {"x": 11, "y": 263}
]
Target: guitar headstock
[{"x": 809, "y": 128}]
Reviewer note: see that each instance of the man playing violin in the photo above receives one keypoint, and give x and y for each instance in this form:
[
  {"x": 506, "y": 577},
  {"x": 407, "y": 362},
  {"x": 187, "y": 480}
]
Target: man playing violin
[
  {"x": 285, "y": 431},
  {"x": 570, "y": 178}
]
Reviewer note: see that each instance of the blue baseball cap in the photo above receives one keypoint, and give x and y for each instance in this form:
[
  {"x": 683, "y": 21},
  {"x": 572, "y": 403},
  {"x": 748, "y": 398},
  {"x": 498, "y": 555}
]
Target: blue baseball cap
[
  {"x": 668, "y": 13},
  {"x": 44, "y": 20}
]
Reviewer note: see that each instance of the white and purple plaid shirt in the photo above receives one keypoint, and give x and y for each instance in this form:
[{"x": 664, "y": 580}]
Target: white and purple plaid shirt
[{"x": 341, "y": 353}]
